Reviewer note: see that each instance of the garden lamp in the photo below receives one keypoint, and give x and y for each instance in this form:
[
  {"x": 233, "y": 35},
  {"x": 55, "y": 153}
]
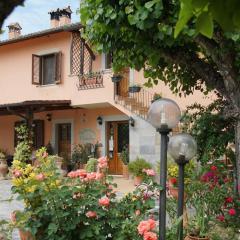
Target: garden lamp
[
  {"x": 182, "y": 147},
  {"x": 164, "y": 114}
]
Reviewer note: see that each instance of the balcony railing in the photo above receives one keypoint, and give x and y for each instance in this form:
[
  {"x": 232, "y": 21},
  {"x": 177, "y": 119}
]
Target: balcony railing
[{"x": 91, "y": 80}]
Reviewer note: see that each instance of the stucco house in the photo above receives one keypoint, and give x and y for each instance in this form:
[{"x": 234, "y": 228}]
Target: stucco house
[{"x": 53, "y": 80}]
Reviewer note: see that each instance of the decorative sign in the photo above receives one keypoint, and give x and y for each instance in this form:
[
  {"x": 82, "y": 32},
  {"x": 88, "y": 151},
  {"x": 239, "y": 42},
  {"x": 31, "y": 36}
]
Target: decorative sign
[{"x": 87, "y": 135}]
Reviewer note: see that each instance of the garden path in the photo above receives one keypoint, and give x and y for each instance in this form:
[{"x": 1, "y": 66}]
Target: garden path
[{"x": 7, "y": 207}]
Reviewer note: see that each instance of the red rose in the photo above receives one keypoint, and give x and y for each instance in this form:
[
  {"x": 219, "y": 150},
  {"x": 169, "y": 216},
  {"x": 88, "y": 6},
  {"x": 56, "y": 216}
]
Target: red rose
[
  {"x": 232, "y": 212},
  {"x": 221, "y": 218},
  {"x": 229, "y": 200},
  {"x": 213, "y": 168},
  {"x": 173, "y": 181}
]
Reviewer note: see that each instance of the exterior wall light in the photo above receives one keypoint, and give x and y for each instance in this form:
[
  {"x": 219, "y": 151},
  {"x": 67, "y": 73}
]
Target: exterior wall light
[
  {"x": 164, "y": 114},
  {"x": 182, "y": 147},
  {"x": 131, "y": 121},
  {"x": 100, "y": 120},
  {"x": 49, "y": 117}
]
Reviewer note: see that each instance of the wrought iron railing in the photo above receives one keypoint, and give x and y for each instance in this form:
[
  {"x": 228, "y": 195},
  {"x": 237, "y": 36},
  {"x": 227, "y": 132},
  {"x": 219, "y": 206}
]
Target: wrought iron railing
[{"x": 136, "y": 102}]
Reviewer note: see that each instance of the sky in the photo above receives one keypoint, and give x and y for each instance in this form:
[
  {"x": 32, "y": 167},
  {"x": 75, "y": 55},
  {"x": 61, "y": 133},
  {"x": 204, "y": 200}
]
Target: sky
[{"x": 33, "y": 16}]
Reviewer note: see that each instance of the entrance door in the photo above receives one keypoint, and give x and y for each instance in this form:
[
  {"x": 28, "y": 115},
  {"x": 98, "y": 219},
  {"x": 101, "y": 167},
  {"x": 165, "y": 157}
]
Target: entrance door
[
  {"x": 64, "y": 140},
  {"x": 117, "y": 139}
]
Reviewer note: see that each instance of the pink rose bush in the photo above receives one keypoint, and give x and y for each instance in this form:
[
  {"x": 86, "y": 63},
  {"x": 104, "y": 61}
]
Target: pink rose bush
[
  {"x": 80, "y": 205},
  {"x": 146, "y": 228},
  {"x": 149, "y": 172}
]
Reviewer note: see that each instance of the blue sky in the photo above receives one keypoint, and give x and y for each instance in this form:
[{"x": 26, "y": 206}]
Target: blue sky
[{"x": 34, "y": 15}]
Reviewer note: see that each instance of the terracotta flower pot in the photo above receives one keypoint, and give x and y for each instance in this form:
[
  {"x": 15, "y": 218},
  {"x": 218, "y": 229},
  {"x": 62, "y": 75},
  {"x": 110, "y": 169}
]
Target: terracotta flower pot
[
  {"x": 3, "y": 169},
  {"x": 188, "y": 237},
  {"x": 125, "y": 171},
  {"x": 25, "y": 235},
  {"x": 137, "y": 180},
  {"x": 173, "y": 191}
]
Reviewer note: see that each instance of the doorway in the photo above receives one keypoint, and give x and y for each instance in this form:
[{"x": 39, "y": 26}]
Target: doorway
[
  {"x": 63, "y": 131},
  {"x": 117, "y": 140}
]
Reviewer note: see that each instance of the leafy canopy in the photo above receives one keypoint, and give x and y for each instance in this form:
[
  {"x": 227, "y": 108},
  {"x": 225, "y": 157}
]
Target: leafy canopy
[{"x": 206, "y": 12}]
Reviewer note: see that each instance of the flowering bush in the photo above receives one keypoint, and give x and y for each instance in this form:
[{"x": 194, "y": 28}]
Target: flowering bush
[{"x": 83, "y": 205}]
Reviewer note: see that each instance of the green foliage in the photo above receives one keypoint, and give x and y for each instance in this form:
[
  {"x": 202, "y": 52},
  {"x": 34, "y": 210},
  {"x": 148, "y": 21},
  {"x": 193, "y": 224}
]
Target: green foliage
[
  {"x": 91, "y": 165},
  {"x": 23, "y": 150},
  {"x": 206, "y": 12},
  {"x": 5, "y": 230},
  {"x": 136, "y": 167},
  {"x": 81, "y": 154},
  {"x": 212, "y": 131},
  {"x": 125, "y": 155},
  {"x": 57, "y": 208}
]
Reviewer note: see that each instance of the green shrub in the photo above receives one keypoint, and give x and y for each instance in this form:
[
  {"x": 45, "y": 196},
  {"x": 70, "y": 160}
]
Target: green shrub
[
  {"x": 91, "y": 165},
  {"x": 136, "y": 167}
]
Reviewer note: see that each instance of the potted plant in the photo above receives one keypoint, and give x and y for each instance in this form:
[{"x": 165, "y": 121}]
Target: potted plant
[
  {"x": 117, "y": 77},
  {"x": 156, "y": 97},
  {"x": 136, "y": 168},
  {"x": 134, "y": 88},
  {"x": 124, "y": 155},
  {"x": 3, "y": 166}
]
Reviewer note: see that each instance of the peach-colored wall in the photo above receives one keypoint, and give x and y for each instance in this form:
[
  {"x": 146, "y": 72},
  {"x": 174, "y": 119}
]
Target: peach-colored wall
[
  {"x": 16, "y": 73},
  {"x": 81, "y": 119},
  {"x": 183, "y": 102}
]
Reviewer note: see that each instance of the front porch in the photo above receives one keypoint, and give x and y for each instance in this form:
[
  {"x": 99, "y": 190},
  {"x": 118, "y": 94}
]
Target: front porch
[{"x": 62, "y": 127}]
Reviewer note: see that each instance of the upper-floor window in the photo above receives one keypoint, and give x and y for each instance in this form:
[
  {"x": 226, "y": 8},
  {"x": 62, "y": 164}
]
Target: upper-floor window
[{"x": 46, "y": 69}]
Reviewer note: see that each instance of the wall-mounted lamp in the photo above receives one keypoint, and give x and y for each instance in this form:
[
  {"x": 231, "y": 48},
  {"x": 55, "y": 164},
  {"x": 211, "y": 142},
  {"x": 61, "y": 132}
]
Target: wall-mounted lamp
[
  {"x": 49, "y": 117},
  {"x": 99, "y": 120},
  {"x": 131, "y": 121}
]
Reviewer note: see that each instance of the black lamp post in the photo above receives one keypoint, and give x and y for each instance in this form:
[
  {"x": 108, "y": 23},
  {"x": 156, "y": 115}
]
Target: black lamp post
[
  {"x": 164, "y": 114},
  {"x": 182, "y": 147}
]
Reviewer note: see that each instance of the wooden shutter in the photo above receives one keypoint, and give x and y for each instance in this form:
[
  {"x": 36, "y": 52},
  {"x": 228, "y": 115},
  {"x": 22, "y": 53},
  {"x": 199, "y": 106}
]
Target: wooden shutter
[
  {"x": 38, "y": 134},
  {"x": 58, "y": 67},
  {"x": 36, "y": 70}
]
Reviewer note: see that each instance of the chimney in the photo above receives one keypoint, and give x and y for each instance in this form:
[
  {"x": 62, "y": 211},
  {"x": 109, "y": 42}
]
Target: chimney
[
  {"x": 54, "y": 18},
  {"x": 65, "y": 16},
  {"x": 14, "y": 30}
]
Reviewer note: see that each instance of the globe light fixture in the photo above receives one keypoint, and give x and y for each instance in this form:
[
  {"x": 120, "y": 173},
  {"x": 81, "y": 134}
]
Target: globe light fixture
[
  {"x": 164, "y": 114},
  {"x": 182, "y": 147}
]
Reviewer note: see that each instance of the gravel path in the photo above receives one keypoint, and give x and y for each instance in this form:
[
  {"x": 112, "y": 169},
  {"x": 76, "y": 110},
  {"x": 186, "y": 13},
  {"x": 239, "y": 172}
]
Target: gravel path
[{"x": 7, "y": 207}]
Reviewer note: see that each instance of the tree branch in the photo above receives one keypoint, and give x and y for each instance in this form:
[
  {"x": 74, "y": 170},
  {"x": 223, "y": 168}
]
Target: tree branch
[{"x": 6, "y": 7}]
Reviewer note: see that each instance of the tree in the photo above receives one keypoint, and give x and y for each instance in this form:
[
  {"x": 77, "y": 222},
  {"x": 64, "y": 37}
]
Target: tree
[
  {"x": 6, "y": 8},
  {"x": 206, "y": 12},
  {"x": 140, "y": 34}
]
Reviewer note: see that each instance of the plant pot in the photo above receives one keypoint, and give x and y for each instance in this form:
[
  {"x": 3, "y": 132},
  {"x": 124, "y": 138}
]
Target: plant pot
[
  {"x": 125, "y": 171},
  {"x": 134, "y": 89},
  {"x": 116, "y": 78},
  {"x": 138, "y": 180},
  {"x": 25, "y": 235},
  {"x": 188, "y": 237},
  {"x": 173, "y": 191},
  {"x": 3, "y": 169},
  {"x": 59, "y": 164}
]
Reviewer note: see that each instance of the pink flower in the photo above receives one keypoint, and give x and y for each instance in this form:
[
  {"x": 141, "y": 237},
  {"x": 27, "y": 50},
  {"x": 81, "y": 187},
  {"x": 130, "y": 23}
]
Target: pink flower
[
  {"x": 82, "y": 173},
  {"x": 91, "y": 176},
  {"x": 99, "y": 176},
  {"x": 40, "y": 177},
  {"x": 221, "y": 218},
  {"x": 150, "y": 236},
  {"x": 104, "y": 201},
  {"x": 17, "y": 173},
  {"x": 152, "y": 223},
  {"x": 72, "y": 174},
  {"x": 13, "y": 217},
  {"x": 149, "y": 172},
  {"x": 137, "y": 212},
  {"x": 91, "y": 214},
  {"x": 102, "y": 162},
  {"x": 232, "y": 212},
  {"x": 213, "y": 168},
  {"x": 45, "y": 155},
  {"x": 146, "y": 226}
]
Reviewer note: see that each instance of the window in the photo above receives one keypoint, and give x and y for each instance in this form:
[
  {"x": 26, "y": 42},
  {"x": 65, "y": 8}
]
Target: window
[
  {"x": 108, "y": 61},
  {"x": 46, "y": 69}
]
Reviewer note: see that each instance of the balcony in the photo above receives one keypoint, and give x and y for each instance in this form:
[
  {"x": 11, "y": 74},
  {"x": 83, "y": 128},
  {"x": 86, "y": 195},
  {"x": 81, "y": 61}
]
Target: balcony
[{"x": 90, "y": 81}]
